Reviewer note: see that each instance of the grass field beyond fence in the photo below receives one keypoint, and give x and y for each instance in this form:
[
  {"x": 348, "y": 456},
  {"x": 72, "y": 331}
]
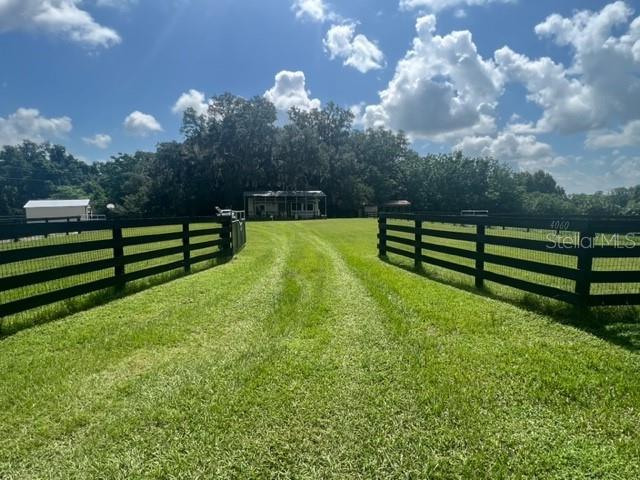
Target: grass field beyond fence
[{"x": 308, "y": 357}]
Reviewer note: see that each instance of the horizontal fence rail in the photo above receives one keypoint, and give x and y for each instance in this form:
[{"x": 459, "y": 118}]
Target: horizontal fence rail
[
  {"x": 45, "y": 263},
  {"x": 582, "y": 261}
]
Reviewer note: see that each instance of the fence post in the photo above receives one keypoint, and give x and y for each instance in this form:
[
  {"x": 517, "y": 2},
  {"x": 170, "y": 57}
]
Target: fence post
[
  {"x": 243, "y": 231},
  {"x": 585, "y": 264},
  {"x": 382, "y": 237},
  {"x": 418, "y": 246},
  {"x": 225, "y": 236},
  {"x": 235, "y": 235},
  {"x": 118, "y": 254},
  {"x": 480, "y": 232},
  {"x": 185, "y": 247}
]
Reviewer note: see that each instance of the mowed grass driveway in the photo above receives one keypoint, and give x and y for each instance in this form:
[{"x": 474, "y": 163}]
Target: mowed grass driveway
[{"x": 308, "y": 357}]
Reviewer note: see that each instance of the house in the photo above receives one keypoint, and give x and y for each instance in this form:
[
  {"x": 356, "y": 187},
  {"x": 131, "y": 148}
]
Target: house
[
  {"x": 58, "y": 210},
  {"x": 298, "y": 204}
]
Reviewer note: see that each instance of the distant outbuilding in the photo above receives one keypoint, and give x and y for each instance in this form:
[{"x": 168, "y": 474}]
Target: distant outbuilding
[
  {"x": 58, "y": 210},
  {"x": 296, "y": 204},
  {"x": 369, "y": 211}
]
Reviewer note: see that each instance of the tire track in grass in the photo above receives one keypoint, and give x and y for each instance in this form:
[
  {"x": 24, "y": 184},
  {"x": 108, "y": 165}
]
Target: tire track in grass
[
  {"x": 132, "y": 383},
  {"x": 267, "y": 414},
  {"x": 325, "y": 396},
  {"x": 236, "y": 405},
  {"x": 487, "y": 419},
  {"x": 374, "y": 401},
  {"x": 278, "y": 413},
  {"x": 402, "y": 429}
]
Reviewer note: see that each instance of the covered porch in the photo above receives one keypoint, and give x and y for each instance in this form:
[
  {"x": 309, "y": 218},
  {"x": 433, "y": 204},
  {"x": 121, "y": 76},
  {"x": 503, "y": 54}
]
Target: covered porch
[{"x": 291, "y": 205}]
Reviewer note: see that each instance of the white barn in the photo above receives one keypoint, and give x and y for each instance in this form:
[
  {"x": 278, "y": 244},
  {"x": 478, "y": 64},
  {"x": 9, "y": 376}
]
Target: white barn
[{"x": 60, "y": 210}]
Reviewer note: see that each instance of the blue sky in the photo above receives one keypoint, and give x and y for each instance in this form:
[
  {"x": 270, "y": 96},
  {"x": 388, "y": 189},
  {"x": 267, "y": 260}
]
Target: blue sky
[{"x": 544, "y": 84}]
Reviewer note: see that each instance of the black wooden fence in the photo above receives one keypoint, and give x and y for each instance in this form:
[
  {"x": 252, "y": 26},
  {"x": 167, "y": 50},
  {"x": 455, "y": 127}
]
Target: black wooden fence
[
  {"x": 238, "y": 235},
  {"x": 44, "y": 263},
  {"x": 582, "y": 261}
]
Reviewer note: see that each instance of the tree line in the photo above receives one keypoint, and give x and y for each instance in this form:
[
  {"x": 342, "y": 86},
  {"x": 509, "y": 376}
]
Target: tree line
[{"x": 239, "y": 146}]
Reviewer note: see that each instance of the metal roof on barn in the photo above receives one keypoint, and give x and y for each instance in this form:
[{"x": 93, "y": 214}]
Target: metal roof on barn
[
  {"x": 286, "y": 193},
  {"x": 398, "y": 203},
  {"x": 57, "y": 203}
]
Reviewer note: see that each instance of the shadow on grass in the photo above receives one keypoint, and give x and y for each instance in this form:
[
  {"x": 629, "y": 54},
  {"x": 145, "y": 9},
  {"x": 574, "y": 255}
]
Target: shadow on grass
[
  {"x": 32, "y": 318},
  {"x": 617, "y": 325}
]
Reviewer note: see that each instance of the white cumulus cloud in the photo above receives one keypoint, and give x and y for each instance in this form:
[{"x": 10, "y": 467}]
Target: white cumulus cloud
[
  {"x": 100, "y": 140},
  {"x": 566, "y": 102},
  {"x": 628, "y": 136},
  {"x": 121, "y": 4},
  {"x": 357, "y": 51},
  {"x": 191, "y": 99},
  {"x": 141, "y": 124},
  {"x": 29, "y": 124},
  {"x": 290, "y": 91},
  {"x": 523, "y": 151},
  {"x": 438, "y": 5},
  {"x": 460, "y": 13},
  {"x": 441, "y": 89},
  {"x": 62, "y": 17},
  {"x": 600, "y": 89},
  {"x": 315, "y": 10}
]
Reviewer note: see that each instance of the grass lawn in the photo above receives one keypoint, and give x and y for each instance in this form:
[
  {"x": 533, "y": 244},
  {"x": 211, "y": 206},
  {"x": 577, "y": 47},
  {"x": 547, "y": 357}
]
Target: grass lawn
[{"x": 308, "y": 357}]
